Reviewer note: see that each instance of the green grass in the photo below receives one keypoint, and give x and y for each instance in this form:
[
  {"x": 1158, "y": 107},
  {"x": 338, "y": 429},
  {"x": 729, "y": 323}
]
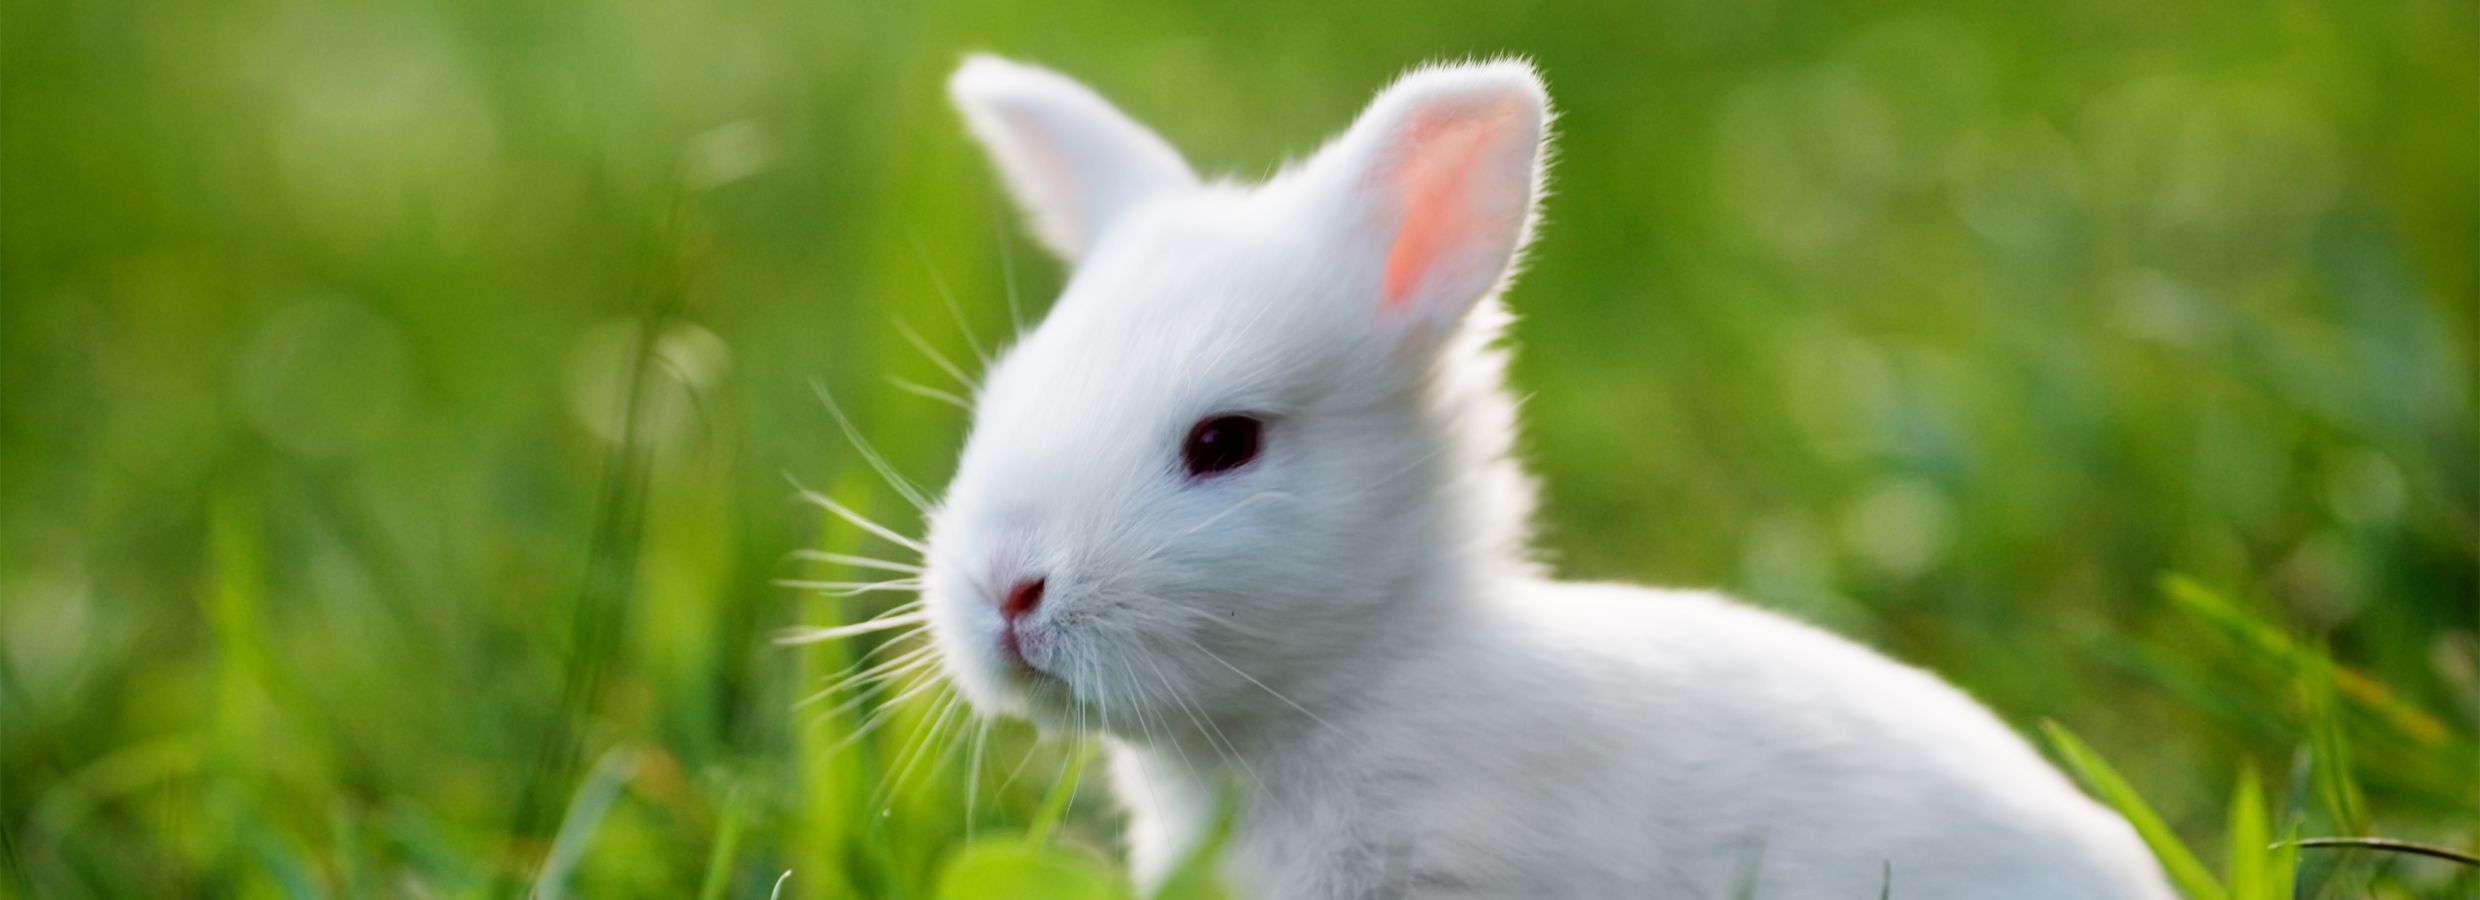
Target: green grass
[{"x": 397, "y": 399}]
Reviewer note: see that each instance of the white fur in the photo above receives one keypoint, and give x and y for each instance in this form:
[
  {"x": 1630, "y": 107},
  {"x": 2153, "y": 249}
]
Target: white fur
[
  {"x": 1350, "y": 629},
  {"x": 1075, "y": 163}
]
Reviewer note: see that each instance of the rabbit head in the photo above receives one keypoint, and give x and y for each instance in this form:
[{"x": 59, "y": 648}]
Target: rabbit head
[{"x": 1260, "y": 437}]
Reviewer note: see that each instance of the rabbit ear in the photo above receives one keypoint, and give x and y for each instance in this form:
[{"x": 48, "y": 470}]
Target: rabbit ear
[
  {"x": 1437, "y": 183},
  {"x": 1073, "y": 161}
]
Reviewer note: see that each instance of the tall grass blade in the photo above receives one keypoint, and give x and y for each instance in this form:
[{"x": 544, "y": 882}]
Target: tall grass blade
[
  {"x": 585, "y": 816},
  {"x": 1197, "y": 876},
  {"x": 2282, "y": 866},
  {"x": 1055, "y": 804},
  {"x": 2244, "y": 870},
  {"x": 610, "y": 582},
  {"x": 2337, "y": 792},
  {"x": 2268, "y": 643},
  {"x": 2186, "y": 872},
  {"x": 719, "y": 861}
]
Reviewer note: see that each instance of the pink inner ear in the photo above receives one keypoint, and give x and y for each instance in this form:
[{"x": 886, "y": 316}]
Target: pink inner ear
[{"x": 1439, "y": 185}]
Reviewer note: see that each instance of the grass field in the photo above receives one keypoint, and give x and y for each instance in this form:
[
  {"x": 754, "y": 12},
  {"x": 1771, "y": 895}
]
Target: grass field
[{"x": 399, "y": 404}]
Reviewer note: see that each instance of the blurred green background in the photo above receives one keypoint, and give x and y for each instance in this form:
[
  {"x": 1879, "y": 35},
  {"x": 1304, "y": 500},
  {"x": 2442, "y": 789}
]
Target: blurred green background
[{"x": 351, "y": 550}]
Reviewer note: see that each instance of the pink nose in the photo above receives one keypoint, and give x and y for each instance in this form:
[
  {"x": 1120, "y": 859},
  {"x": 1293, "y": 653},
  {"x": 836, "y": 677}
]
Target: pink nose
[{"x": 1021, "y": 599}]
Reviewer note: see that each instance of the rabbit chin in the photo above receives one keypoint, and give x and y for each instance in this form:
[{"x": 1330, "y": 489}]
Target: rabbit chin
[{"x": 998, "y": 685}]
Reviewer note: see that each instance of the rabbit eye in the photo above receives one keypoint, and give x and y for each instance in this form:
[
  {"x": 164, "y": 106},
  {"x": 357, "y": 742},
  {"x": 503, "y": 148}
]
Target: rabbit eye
[{"x": 1220, "y": 444}]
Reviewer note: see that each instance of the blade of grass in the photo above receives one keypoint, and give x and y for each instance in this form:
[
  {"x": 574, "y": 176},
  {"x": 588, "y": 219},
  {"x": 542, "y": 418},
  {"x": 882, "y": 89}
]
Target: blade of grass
[
  {"x": 585, "y": 816},
  {"x": 2329, "y": 754},
  {"x": 598, "y": 617},
  {"x": 2271, "y": 645},
  {"x": 1195, "y": 878},
  {"x": 2391, "y": 845},
  {"x": 2244, "y": 869},
  {"x": 2190, "y": 875},
  {"x": 1055, "y": 804},
  {"x": 2282, "y": 868},
  {"x": 727, "y": 847}
]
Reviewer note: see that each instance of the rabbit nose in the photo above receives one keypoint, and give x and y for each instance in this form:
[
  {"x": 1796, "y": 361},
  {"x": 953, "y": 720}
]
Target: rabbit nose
[{"x": 1021, "y": 599}]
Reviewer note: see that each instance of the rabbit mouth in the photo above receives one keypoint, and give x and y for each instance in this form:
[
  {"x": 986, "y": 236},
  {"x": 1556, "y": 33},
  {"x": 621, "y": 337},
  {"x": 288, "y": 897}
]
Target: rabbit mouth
[
  {"x": 1015, "y": 650},
  {"x": 1045, "y": 697},
  {"x": 1029, "y": 675}
]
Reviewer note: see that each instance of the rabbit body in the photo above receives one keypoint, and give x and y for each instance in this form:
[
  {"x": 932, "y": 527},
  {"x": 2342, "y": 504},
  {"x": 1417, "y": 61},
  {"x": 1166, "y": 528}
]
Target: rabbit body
[
  {"x": 1597, "y": 740},
  {"x": 1246, "y": 504}
]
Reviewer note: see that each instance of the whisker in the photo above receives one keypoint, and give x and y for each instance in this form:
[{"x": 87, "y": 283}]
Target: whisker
[
  {"x": 922, "y": 390},
  {"x": 858, "y": 520},
  {"x": 954, "y": 742},
  {"x": 936, "y": 358},
  {"x": 861, "y": 695},
  {"x": 919, "y": 748},
  {"x": 861, "y": 561},
  {"x": 1083, "y": 736},
  {"x": 1022, "y": 762},
  {"x": 1007, "y": 265},
  {"x": 1287, "y": 701},
  {"x": 1206, "y": 728},
  {"x": 949, "y": 297},
  {"x": 882, "y": 623},
  {"x": 885, "y": 711},
  {"x": 851, "y": 588},
  {"x": 1172, "y": 735},
  {"x": 973, "y": 773},
  {"x": 876, "y": 673},
  {"x": 1236, "y": 506},
  {"x": 1233, "y": 625},
  {"x": 869, "y": 454},
  {"x": 874, "y": 686},
  {"x": 1147, "y": 729}
]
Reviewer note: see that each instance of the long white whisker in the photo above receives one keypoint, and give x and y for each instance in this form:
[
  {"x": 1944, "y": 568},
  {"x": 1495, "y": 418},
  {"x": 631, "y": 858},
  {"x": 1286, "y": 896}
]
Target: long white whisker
[
  {"x": 860, "y": 695},
  {"x": 869, "y": 454},
  {"x": 877, "y": 672},
  {"x": 1151, "y": 742},
  {"x": 1168, "y": 609},
  {"x": 1102, "y": 697},
  {"x": 876, "y": 685},
  {"x": 954, "y": 742},
  {"x": 861, "y": 561},
  {"x": 1212, "y": 733},
  {"x": 1226, "y": 749},
  {"x": 852, "y": 588},
  {"x": 884, "y": 645},
  {"x": 885, "y": 711},
  {"x": 882, "y": 623},
  {"x": 949, "y": 297},
  {"x": 1007, "y": 266},
  {"x": 973, "y": 773},
  {"x": 1082, "y": 736},
  {"x": 937, "y": 359},
  {"x": 1172, "y": 736},
  {"x": 1402, "y": 469},
  {"x": 1165, "y": 543},
  {"x": 920, "y": 748},
  {"x": 858, "y": 520},
  {"x": 913, "y": 607},
  {"x": 922, "y": 390},
  {"x": 1287, "y": 701},
  {"x": 873, "y": 686},
  {"x": 905, "y": 585},
  {"x": 1022, "y": 762}
]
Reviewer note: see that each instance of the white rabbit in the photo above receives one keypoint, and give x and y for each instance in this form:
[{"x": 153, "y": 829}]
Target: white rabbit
[{"x": 1245, "y": 504}]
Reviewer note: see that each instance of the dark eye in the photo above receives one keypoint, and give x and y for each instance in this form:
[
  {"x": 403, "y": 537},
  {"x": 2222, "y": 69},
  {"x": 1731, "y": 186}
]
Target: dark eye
[{"x": 1220, "y": 444}]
